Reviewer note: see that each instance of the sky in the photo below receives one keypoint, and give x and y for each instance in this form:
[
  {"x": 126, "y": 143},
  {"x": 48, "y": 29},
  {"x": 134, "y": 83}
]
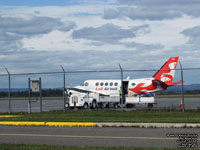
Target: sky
[{"x": 39, "y": 36}]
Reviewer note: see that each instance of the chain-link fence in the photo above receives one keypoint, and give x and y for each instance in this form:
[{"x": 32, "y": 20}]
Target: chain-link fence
[{"x": 14, "y": 90}]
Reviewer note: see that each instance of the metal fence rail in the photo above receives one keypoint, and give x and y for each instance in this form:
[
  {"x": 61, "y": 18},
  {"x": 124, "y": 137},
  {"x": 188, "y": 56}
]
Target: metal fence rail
[{"x": 61, "y": 104}]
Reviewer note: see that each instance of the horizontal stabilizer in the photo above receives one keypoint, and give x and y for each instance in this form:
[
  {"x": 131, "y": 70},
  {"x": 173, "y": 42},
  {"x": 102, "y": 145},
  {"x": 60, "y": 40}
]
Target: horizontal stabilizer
[{"x": 178, "y": 82}]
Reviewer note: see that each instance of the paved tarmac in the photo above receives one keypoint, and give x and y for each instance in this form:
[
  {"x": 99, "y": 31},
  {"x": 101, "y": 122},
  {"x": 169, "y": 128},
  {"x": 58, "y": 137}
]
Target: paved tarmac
[
  {"x": 166, "y": 103},
  {"x": 84, "y": 136}
]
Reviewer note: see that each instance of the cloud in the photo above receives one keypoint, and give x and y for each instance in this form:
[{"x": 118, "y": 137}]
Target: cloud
[
  {"x": 8, "y": 41},
  {"x": 107, "y": 33},
  {"x": 140, "y": 13},
  {"x": 158, "y": 2},
  {"x": 29, "y": 26},
  {"x": 13, "y": 29},
  {"x": 153, "y": 9},
  {"x": 194, "y": 38},
  {"x": 192, "y": 32},
  {"x": 67, "y": 26},
  {"x": 144, "y": 47},
  {"x": 112, "y": 34}
]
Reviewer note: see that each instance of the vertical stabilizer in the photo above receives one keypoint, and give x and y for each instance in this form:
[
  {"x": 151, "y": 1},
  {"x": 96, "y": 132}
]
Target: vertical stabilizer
[{"x": 167, "y": 71}]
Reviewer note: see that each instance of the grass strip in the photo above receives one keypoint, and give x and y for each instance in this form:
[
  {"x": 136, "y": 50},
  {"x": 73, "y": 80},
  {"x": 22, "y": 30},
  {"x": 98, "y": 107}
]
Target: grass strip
[
  {"x": 132, "y": 116},
  {"x": 53, "y": 147}
]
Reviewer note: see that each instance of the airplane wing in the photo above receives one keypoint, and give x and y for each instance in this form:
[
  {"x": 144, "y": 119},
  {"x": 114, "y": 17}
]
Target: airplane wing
[
  {"x": 79, "y": 90},
  {"x": 87, "y": 91}
]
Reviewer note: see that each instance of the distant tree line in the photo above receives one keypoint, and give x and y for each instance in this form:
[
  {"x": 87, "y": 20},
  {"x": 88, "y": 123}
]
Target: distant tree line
[
  {"x": 45, "y": 93},
  {"x": 175, "y": 92}
]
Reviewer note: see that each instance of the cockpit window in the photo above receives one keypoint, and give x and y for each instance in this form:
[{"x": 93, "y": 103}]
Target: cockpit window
[
  {"x": 97, "y": 84},
  {"x": 86, "y": 83},
  {"x": 133, "y": 84}
]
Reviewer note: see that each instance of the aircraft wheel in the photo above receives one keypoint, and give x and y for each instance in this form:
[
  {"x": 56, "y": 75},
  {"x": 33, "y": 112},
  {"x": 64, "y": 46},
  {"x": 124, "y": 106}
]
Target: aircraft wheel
[
  {"x": 102, "y": 105},
  {"x": 85, "y": 106},
  {"x": 94, "y": 104},
  {"x": 150, "y": 105},
  {"x": 116, "y": 106},
  {"x": 67, "y": 105}
]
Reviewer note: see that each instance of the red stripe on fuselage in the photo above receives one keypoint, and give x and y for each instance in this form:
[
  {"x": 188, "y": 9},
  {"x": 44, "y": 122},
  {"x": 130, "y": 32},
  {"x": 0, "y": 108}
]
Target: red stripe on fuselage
[{"x": 140, "y": 88}]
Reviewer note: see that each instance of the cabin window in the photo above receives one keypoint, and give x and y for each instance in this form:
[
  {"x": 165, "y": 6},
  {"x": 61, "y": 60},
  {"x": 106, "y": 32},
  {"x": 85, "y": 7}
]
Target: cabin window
[
  {"x": 116, "y": 84},
  {"x": 97, "y": 84},
  {"x": 133, "y": 84},
  {"x": 101, "y": 83},
  {"x": 86, "y": 83},
  {"x": 111, "y": 84},
  {"x": 106, "y": 84}
]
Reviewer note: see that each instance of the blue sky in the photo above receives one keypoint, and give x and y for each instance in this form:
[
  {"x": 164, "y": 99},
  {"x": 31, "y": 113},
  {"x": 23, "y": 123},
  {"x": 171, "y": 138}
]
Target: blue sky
[{"x": 39, "y": 36}]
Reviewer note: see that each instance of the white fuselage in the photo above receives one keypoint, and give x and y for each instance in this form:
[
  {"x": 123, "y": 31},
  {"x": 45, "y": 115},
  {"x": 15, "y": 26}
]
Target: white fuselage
[{"x": 114, "y": 86}]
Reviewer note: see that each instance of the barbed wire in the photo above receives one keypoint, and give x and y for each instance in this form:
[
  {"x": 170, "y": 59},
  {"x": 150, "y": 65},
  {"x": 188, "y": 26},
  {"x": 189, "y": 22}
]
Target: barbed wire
[{"x": 93, "y": 71}]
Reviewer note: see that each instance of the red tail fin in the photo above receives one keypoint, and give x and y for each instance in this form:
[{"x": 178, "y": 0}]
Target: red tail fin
[{"x": 165, "y": 74}]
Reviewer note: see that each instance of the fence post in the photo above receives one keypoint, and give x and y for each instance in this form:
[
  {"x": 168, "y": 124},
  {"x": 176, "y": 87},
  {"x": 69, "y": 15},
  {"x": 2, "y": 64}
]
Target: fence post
[
  {"x": 29, "y": 95},
  {"x": 182, "y": 88},
  {"x": 40, "y": 84},
  {"x": 9, "y": 99},
  {"x": 121, "y": 88},
  {"x": 64, "y": 97}
]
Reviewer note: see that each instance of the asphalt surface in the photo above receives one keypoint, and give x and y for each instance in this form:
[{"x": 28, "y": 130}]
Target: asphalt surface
[
  {"x": 85, "y": 136},
  {"x": 22, "y": 106}
]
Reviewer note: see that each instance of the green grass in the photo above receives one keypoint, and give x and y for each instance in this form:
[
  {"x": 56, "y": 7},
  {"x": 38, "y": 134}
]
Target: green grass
[
  {"x": 50, "y": 147},
  {"x": 146, "y": 116}
]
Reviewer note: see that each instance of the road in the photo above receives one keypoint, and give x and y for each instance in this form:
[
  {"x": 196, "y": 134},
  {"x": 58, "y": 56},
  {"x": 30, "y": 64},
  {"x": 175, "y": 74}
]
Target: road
[
  {"x": 84, "y": 136},
  {"x": 22, "y": 106}
]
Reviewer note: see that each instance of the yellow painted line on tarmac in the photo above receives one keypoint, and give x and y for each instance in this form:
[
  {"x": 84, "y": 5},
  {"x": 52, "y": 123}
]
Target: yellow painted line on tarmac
[
  {"x": 66, "y": 124},
  {"x": 21, "y": 123},
  {"x": 10, "y": 116},
  {"x": 94, "y": 137}
]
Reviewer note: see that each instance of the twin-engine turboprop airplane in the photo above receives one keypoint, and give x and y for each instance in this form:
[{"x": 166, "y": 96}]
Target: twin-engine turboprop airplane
[{"x": 162, "y": 79}]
